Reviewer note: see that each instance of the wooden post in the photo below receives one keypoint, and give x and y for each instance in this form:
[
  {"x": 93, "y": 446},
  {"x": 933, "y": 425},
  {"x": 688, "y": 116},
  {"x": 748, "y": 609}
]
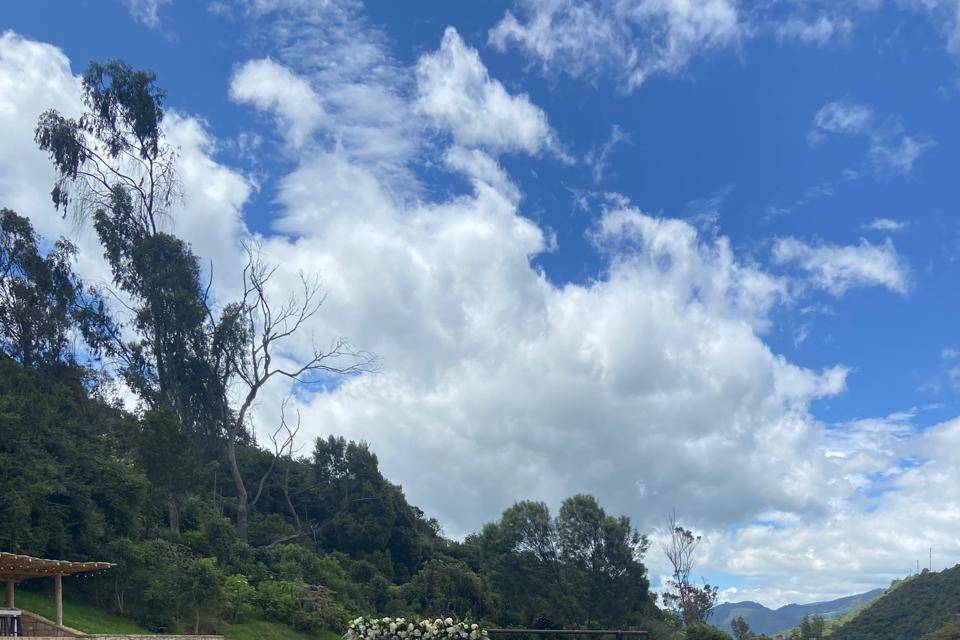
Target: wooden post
[
  {"x": 58, "y": 597},
  {"x": 10, "y": 584}
]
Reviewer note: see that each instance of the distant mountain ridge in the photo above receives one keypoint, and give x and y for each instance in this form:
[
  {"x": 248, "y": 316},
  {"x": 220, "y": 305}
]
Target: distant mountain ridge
[{"x": 770, "y": 621}]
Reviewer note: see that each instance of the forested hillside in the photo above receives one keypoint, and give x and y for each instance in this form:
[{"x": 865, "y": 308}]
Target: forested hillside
[
  {"x": 206, "y": 525},
  {"x": 926, "y": 606}
]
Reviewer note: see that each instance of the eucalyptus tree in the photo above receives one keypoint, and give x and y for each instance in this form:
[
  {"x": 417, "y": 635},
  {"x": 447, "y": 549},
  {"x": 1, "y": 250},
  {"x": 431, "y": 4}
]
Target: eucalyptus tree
[{"x": 115, "y": 166}]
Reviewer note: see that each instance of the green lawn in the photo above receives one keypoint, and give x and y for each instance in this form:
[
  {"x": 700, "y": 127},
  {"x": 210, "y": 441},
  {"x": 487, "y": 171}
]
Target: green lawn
[
  {"x": 262, "y": 630},
  {"x": 77, "y": 616},
  {"x": 92, "y": 620}
]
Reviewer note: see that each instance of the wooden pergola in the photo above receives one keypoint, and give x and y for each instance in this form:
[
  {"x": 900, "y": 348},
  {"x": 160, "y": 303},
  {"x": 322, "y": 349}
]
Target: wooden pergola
[{"x": 15, "y": 567}]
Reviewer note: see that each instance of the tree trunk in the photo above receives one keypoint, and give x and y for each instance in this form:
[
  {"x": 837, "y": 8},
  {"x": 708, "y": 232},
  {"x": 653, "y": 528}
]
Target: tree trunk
[
  {"x": 173, "y": 507},
  {"x": 242, "y": 509}
]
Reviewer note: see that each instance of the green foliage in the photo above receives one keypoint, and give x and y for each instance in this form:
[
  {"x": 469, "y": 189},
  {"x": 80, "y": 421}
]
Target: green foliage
[
  {"x": 949, "y": 631},
  {"x": 41, "y": 300},
  {"x": 703, "y": 631},
  {"x": 741, "y": 630},
  {"x": 812, "y": 627},
  {"x": 69, "y": 485},
  {"x": 309, "y": 608},
  {"x": 238, "y": 597},
  {"x": 447, "y": 587},
  {"x": 579, "y": 569},
  {"x": 918, "y": 606}
]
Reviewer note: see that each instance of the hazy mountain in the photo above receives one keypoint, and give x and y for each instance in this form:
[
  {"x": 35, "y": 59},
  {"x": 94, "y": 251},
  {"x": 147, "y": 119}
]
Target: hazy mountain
[{"x": 765, "y": 620}]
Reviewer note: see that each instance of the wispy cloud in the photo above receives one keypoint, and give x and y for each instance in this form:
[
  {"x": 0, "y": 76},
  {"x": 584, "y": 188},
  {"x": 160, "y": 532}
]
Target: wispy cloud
[
  {"x": 839, "y": 268},
  {"x": 146, "y": 12},
  {"x": 886, "y": 225},
  {"x": 598, "y": 158},
  {"x": 891, "y": 150},
  {"x": 631, "y": 41}
]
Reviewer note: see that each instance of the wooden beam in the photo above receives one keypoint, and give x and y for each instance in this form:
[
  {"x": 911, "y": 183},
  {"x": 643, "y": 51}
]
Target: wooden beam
[
  {"x": 10, "y": 603},
  {"x": 58, "y": 597}
]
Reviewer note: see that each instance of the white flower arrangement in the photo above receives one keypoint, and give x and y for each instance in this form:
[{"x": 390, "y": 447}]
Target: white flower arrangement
[{"x": 403, "y": 629}]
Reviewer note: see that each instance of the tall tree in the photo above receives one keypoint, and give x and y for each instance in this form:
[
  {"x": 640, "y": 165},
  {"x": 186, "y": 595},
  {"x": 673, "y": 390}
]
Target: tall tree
[
  {"x": 114, "y": 165},
  {"x": 692, "y": 603}
]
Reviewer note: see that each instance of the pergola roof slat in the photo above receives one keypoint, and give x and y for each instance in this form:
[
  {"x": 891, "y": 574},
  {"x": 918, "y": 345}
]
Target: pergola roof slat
[{"x": 14, "y": 566}]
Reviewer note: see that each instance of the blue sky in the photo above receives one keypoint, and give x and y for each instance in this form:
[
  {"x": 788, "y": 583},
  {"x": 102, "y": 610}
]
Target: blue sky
[{"x": 815, "y": 143}]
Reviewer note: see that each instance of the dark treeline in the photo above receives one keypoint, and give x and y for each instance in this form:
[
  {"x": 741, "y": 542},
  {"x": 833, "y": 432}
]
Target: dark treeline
[
  {"x": 205, "y": 524},
  {"x": 83, "y": 480}
]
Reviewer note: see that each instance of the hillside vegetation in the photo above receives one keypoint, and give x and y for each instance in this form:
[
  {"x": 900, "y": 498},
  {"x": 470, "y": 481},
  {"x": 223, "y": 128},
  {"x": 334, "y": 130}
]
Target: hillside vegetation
[{"x": 915, "y": 610}]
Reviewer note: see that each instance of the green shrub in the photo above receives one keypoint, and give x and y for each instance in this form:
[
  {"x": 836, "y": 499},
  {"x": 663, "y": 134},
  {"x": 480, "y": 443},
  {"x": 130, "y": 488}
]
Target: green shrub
[
  {"x": 700, "y": 631},
  {"x": 238, "y": 597},
  {"x": 305, "y": 607}
]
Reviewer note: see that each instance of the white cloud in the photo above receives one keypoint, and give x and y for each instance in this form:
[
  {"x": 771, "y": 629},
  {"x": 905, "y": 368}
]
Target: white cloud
[
  {"x": 867, "y": 540},
  {"x": 891, "y": 150},
  {"x": 270, "y": 86},
  {"x": 146, "y": 11},
  {"x": 886, "y": 225},
  {"x": 819, "y": 30},
  {"x": 455, "y": 90},
  {"x": 347, "y": 64},
  {"x": 632, "y": 40},
  {"x": 629, "y": 40},
  {"x": 477, "y": 165},
  {"x": 841, "y": 117},
  {"x": 838, "y": 268},
  {"x": 899, "y": 157},
  {"x": 599, "y": 158}
]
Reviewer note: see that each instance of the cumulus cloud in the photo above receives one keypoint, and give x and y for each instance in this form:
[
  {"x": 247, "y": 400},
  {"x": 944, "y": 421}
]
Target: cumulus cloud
[
  {"x": 891, "y": 150},
  {"x": 868, "y": 539},
  {"x": 839, "y": 268},
  {"x": 270, "y": 86},
  {"x": 455, "y": 90},
  {"x": 629, "y": 40}
]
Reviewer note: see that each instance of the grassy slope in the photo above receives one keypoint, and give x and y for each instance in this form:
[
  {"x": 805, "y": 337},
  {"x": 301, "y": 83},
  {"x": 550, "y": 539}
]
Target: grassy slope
[
  {"x": 77, "y": 616},
  {"x": 92, "y": 620}
]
